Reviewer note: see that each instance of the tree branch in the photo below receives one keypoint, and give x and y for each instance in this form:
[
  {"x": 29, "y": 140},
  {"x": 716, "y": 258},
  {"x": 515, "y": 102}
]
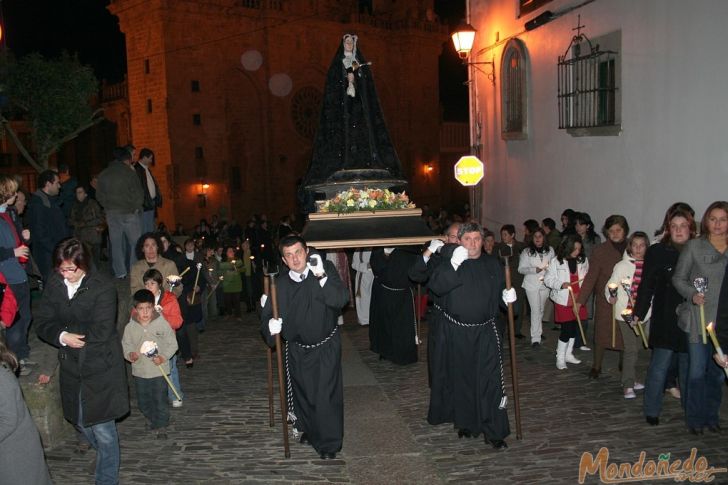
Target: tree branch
[{"x": 23, "y": 151}]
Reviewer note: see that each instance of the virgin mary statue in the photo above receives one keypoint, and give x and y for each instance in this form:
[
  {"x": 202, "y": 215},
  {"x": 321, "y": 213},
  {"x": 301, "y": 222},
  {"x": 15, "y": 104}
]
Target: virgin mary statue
[{"x": 352, "y": 147}]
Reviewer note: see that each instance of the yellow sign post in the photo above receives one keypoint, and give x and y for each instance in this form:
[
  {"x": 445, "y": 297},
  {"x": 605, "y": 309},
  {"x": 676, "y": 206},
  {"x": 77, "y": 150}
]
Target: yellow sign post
[{"x": 469, "y": 170}]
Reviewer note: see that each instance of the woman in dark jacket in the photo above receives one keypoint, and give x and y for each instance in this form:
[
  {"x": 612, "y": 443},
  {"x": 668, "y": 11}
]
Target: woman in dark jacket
[
  {"x": 77, "y": 314},
  {"x": 666, "y": 338}
]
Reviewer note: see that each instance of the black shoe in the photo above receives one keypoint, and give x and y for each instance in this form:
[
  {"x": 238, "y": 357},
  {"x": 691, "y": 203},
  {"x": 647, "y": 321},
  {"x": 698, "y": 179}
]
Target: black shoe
[
  {"x": 497, "y": 444},
  {"x": 594, "y": 373},
  {"x": 304, "y": 438},
  {"x": 520, "y": 336},
  {"x": 695, "y": 431},
  {"x": 535, "y": 345},
  {"x": 464, "y": 432},
  {"x": 327, "y": 456},
  {"x": 715, "y": 429},
  {"x": 543, "y": 337},
  {"x": 189, "y": 365},
  {"x": 652, "y": 420}
]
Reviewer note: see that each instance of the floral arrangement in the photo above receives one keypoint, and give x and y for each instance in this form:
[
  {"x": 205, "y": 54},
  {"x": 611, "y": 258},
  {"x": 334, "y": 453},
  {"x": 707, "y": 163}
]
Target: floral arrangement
[{"x": 354, "y": 200}]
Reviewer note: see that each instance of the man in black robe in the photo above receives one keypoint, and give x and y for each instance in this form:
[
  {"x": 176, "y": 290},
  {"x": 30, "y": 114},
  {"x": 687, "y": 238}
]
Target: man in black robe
[
  {"x": 437, "y": 253},
  {"x": 310, "y": 298},
  {"x": 470, "y": 287},
  {"x": 392, "y": 323}
]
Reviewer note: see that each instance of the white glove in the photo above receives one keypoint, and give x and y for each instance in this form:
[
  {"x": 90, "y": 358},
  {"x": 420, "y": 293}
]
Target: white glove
[
  {"x": 435, "y": 246},
  {"x": 317, "y": 268},
  {"x": 458, "y": 256},
  {"x": 388, "y": 251},
  {"x": 509, "y": 296},
  {"x": 275, "y": 325},
  {"x": 263, "y": 299}
]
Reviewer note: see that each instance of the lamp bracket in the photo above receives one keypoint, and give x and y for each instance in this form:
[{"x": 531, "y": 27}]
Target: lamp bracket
[{"x": 490, "y": 75}]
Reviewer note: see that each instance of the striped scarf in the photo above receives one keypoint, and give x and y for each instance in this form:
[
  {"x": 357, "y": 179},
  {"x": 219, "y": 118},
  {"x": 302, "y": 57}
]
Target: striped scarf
[{"x": 636, "y": 278}]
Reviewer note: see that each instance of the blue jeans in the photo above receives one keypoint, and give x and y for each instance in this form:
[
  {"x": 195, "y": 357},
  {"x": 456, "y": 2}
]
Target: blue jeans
[
  {"x": 148, "y": 222},
  {"x": 705, "y": 387},
  {"x": 657, "y": 376},
  {"x": 124, "y": 232},
  {"x": 105, "y": 440},
  {"x": 17, "y": 334},
  {"x": 152, "y": 400},
  {"x": 174, "y": 377}
]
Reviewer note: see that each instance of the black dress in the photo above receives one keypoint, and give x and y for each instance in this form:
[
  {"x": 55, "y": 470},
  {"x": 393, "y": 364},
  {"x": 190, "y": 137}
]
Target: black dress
[{"x": 313, "y": 354}]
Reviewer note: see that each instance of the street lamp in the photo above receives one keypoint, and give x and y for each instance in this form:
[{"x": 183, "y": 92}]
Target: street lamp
[{"x": 463, "y": 38}]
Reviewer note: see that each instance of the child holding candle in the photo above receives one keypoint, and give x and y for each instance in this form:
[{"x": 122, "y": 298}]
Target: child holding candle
[
  {"x": 566, "y": 271},
  {"x": 629, "y": 271},
  {"x": 151, "y": 387},
  {"x": 704, "y": 257}
]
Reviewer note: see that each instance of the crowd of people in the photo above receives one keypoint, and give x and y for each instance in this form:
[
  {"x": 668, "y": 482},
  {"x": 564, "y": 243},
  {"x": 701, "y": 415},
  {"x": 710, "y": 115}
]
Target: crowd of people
[{"x": 628, "y": 293}]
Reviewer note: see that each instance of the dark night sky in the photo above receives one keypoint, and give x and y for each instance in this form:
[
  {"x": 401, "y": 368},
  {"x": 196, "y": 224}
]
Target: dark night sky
[{"x": 86, "y": 27}]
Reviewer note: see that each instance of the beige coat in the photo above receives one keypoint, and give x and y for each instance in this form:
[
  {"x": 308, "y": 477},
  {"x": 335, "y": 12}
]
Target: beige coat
[{"x": 163, "y": 265}]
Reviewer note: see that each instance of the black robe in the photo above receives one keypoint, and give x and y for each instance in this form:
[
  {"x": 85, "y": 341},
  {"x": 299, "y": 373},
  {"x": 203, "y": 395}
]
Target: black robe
[
  {"x": 475, "y": 381},
  {"x": 392, "y": 323},
  {"x": 421, "y": 272},
  {"x": 309, "y": 314}
]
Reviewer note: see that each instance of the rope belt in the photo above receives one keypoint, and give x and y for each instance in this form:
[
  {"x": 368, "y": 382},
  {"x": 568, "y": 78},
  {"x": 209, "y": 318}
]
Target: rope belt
[
  {"x": 414, "y": 308},
  {"x": 292, "y": 418},
  {"x": 491, "y": 322}
]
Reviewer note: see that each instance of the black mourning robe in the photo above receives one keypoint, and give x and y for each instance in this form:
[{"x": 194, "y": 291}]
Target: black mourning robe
[
  {"x": 472, "y": 392},
  {"x": 310, "y": 314},
  {"x": 421, "y": 272},
  {"x": 392, "y": 321}
]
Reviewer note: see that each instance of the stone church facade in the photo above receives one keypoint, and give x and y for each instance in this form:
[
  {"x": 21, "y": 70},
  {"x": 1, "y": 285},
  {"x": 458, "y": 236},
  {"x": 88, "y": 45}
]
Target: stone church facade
[{"x": 227, "y": 93}]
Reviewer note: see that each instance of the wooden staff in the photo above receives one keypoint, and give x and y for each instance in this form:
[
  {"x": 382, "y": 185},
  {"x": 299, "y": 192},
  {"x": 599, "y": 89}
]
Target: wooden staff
[
  {"x": 576, "y": 314},
  {"x": 418, "y": 312},
  {"x": 512, "y": 343},
  {"x": 613, "y": 294},
  {"x": 269, "y": 352},
  {"x": 197, "y": 278},
  {"x": 282, "y": 391}
]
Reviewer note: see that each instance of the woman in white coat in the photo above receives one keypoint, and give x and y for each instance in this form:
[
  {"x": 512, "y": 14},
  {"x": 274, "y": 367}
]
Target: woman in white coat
[
  {"x": 532, "y": 264},
  {"x": 629, "y": 270},
  {"x": 567, "y": 269}
]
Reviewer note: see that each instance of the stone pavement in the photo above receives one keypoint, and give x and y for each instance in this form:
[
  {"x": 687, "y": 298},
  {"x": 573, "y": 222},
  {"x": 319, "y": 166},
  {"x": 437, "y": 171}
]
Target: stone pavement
[{"x": 221, "y": 435}]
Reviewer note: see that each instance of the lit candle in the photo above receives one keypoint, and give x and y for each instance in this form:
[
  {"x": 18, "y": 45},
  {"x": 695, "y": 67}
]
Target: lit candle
[
  {"x": 628, "y": 318},
  {"x": 716, "y": 344}
]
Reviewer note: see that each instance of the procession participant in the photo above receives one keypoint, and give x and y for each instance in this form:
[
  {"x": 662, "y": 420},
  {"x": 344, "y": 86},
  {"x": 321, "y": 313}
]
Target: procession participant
[
  {"x": 533, "y": 262},
  {"x": 310, "y": 297},
  {"x": 509, "y": 246},
  {"x": 77, "y": 314},
  {"x": 149, "y": 250},
  {"x": 421, "y": 272},
  {"x": 470, "y": 287},
  {"x": 392, "y": 323},
  {"x": 704, "y": 257},
  {"x": 566, "y": 270},
  {"x": 656, "y": 290},
  {"x": 601, "y": 264},
  {"x": 363, "y": 284}
]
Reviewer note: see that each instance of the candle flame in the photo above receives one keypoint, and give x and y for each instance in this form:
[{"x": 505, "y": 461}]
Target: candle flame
[{"x": 612, "y": 285}]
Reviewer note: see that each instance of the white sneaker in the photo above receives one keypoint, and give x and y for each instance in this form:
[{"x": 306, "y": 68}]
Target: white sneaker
[
  {"x": 629, "y": 393},
  {"x": 638, "y": 386},
  {"x": 584, "y": 348},
  {"x": 176, "y": 403},
  {"x": 28, "y": 362},
  {"x": 24, "y": 370}
]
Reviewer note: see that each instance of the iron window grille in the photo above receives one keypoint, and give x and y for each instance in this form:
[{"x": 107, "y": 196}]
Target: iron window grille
[{"x": 587, "y": 87}]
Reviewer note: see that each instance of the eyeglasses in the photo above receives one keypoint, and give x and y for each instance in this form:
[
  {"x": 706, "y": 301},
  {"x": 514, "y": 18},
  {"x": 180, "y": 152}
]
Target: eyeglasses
[{"x": 68, "y": 270}]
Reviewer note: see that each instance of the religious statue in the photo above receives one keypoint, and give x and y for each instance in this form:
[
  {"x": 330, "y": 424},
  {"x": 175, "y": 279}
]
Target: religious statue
[{"x": 352, "y": 147}]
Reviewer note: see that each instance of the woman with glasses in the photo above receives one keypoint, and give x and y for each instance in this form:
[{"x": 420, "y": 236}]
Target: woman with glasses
[{"x": 77, "y": 314}]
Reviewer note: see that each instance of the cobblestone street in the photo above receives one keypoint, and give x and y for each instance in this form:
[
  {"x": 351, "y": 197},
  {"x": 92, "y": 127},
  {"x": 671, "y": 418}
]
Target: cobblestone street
[{"x": 221, "y": 435}]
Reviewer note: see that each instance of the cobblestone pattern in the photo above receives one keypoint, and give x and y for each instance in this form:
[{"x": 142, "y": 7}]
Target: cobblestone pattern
[{"x": 221, "y": 435}]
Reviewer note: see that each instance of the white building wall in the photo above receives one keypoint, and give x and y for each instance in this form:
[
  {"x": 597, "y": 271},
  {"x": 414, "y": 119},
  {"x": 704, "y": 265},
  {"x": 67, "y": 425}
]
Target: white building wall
[{"x": 674, "y": 88}]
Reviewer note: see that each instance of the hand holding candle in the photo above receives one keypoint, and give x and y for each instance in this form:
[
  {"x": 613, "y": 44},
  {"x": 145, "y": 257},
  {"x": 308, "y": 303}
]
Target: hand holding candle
[
  {"x": 628, "y": 318},
  {"x": 149, "y": 349},
  {"x": 701, "y": 284},
  {"x": 719, "y": 352}
]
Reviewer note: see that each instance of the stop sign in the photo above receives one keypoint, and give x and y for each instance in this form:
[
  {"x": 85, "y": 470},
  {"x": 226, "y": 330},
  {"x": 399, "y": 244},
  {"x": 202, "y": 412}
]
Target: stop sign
[{"x": 469, "y": 170}]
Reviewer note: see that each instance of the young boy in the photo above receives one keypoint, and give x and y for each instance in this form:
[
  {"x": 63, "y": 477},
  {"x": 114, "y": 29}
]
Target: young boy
[{"x": 151, "y": 388}]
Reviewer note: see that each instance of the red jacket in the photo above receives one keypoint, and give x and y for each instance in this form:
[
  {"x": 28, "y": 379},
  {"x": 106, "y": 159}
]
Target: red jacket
[{"x": 9, "y": 306}]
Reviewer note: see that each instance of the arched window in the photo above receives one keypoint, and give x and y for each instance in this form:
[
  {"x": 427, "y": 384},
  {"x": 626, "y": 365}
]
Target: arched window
[{"x": 514, "y": 74}]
